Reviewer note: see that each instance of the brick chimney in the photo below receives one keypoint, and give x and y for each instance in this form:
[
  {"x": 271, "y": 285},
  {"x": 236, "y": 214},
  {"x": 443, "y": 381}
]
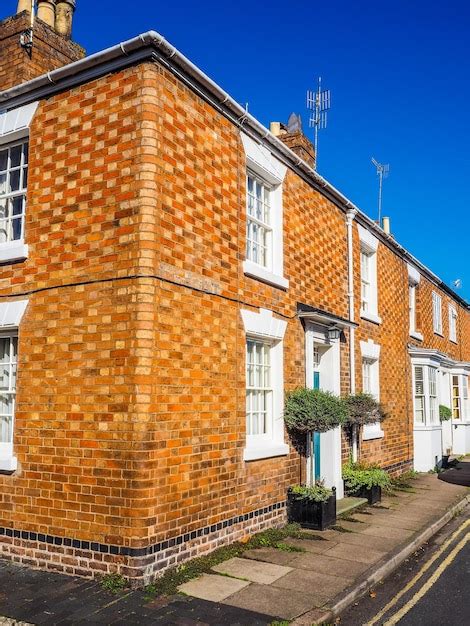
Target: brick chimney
[
  {"x": 26, "y": 52},
  {"x": 292, "y": 135}
]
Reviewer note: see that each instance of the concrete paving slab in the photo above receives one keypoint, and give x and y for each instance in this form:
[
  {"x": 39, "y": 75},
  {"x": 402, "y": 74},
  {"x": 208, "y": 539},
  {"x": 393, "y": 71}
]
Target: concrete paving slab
[
  {"x": 354, "y": 527},
  {"x": 212, "y": 587},
  {"x": 319, "y": 586},
  {"x": 391, "y": 521},
  {"x": 348, "y": 504},
  {"x": 282, "y": 603},
  {"x": 254, "y": 571},
  {"x": 271, "y": 555},
  {"x": 383, "y": 544},
  {"x": 345, "y": 551},
  {"x": 388, "y": 531},
  {"x": 324, "y": 563},
  {"x": 318, "y": 547}
]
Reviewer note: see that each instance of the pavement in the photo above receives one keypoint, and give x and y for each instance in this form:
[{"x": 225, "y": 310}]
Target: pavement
[
  {"x": 335, "y": 568},
  {"x": 430, "y": 587}
]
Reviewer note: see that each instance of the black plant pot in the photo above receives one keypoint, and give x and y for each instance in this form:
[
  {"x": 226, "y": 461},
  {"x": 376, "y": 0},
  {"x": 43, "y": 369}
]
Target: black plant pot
[
  {"x": 313, "y": 515},
  {"x": 373, "y": 495},
  {"x": 445, "y": 461}
]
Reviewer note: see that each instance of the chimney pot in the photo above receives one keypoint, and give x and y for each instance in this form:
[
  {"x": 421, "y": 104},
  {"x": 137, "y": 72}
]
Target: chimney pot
[
  {"x": 64, "y": 17},
  {"x": 24, "y": 5},
  {"x": 386, "y": 225},
  {"x": 275, "y": 128},
  {"x": 46, "y": 11}
]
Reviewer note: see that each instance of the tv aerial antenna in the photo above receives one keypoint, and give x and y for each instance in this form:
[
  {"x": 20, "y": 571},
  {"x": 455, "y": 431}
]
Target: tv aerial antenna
[
  {"x": 457, "y": 284},
  {"x": 319, "y": 103},
  {"x": 383, "y": 170}
]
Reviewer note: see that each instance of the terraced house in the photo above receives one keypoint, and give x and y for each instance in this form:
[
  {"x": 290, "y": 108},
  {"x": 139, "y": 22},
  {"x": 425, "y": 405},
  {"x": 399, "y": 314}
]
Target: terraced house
[{"x": 169, "y": 267}]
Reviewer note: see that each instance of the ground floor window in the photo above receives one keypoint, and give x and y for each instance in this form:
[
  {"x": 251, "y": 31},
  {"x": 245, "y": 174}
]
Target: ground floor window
[
  {"x": 258, "y": 387},
  {"x": 425, "y": 395},
  {"x": 8, "y": 365},
  {"x": 456, "y": 400}
]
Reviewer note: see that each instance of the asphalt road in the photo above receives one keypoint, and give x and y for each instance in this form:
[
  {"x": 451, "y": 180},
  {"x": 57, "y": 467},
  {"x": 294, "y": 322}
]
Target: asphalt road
[{"x": 430, "y": 589}]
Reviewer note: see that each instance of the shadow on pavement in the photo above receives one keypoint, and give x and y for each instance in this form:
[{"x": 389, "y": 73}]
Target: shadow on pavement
[{"x": 457, "y": 474}]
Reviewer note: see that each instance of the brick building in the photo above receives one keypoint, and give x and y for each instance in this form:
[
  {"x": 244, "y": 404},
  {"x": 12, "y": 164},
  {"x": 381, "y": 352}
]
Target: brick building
[{"x": 169, "y": 268}]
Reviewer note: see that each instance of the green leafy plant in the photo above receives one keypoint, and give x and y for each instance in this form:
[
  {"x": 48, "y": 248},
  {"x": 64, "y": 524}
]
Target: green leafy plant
[
  {"x": 445, "y": 413},
  {"x": 114, "y": 583},
  {"x": 362, "y": 409},
  {"x": 357, "y": 476},
  {"x": 313, "y": 410},
  {"x": 313, "y": 493}
]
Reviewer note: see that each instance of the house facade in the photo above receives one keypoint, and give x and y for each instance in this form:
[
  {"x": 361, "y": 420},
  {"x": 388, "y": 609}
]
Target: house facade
[{"x": 169, "y": 268}]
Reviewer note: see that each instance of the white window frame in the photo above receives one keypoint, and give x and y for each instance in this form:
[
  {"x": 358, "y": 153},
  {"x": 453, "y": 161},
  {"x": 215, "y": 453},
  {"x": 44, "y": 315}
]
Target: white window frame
[
  {"x": 437, "y": 313},
  {"x": 414, "y": 278},
  {"x": 430, "y": 394},
  {"x": 368, "y": 250},
  {"x": 370, "y": 353},
  {"x": 452, "y": 323},
  {"x": 14, "y": 129},
  {"x": 270, "y": 172},
  {"x": 264, "y": 327},
  {"x": 10, "y": 318}
]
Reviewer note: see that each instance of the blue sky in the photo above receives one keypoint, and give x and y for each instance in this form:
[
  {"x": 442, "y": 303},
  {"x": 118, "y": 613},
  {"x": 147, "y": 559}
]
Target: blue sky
[{"x": 400, "y": 82}]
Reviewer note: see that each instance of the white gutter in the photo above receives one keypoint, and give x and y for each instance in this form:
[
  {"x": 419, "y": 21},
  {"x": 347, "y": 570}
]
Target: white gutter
[{"x": 153, "y": 45}]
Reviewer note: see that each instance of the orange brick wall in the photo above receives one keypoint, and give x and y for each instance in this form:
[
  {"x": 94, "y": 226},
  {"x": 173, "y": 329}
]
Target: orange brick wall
[{"x": 130, "y": 421}]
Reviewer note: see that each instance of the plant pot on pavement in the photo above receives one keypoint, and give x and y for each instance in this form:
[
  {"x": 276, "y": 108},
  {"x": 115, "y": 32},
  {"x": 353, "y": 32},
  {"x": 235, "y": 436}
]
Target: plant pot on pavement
[
  {"x": 372, "y": 494},
  {"x": 311, "y": 514}
]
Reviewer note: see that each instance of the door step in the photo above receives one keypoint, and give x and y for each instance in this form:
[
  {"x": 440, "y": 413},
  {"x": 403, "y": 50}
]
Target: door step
[{"x": 346, "y": 505}]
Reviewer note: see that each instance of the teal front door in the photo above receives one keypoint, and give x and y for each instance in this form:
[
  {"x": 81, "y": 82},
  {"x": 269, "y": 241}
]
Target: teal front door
[{"x": 316, "y": 436}]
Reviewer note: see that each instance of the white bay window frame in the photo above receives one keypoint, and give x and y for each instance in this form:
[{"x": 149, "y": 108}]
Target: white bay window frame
[
  {"x": 265, "y": 382},
  {"x": 264, "y": 214},
  {"x": 425, "y": 380},
  {"x": 368, "y": 272},
  {"x": 14, "y": 134}
]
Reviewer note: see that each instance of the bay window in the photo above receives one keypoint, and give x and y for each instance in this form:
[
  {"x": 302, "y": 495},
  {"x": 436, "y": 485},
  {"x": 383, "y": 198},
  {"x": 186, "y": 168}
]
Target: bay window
[{"x": 426, "y": 405}]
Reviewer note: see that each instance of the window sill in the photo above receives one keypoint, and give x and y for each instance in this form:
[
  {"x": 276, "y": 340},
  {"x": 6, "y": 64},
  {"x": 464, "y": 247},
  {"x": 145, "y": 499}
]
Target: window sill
[
  {"x": 13, "y": 251},
  {"x": 371, "y": 317},
  {"x": 257, "y": 271},
  {"x": 453, "y": 341},
  {"x": 422, "y": 427},
  {"x": 8, "y": 464},
  {"x": 375, "y": 432},
  {"x": 265, "y": 452},
  {"x": 438, "y": 333},
  {"x": 416, "y": 335}
]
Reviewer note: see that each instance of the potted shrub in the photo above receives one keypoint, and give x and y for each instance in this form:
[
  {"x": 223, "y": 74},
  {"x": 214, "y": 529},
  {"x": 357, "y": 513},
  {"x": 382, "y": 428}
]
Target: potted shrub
[
  {"x": 365, "y": 481},
  {"x": 312, "y": 507},
  {"x": 362, "y": 409}
]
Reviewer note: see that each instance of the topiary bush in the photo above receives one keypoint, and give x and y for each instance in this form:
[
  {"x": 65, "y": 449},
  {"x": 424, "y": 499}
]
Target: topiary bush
[
  {"x": 313, "y": 410},
  {"x": 362, "y": 409},
  {"x": 445, "y": 413}
]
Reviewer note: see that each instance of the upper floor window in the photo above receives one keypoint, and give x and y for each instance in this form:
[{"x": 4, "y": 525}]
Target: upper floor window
[
  {"x": 425, "y": 395},
  {"x": 368, "y": 257},
  {"x": 365, "y": 281},
  {"x": 437, "y": 313},
  {"x": 13, "y": 185},
  {"x": 14, "y": 134},
  {"x": 258, "y": 223},
  {"x": 264, "y": 215},
  {"x": 452, "y": 323},
  {"x": 414, "y": 278}
]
